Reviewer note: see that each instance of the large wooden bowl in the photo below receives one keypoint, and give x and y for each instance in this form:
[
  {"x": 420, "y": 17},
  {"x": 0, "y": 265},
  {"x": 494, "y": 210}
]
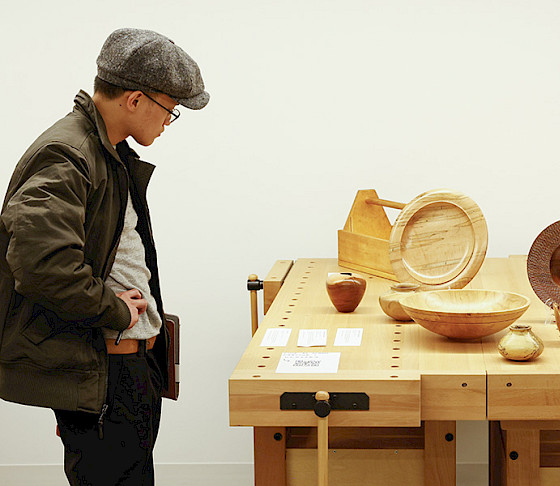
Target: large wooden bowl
[{"x": 465, "y": 313}]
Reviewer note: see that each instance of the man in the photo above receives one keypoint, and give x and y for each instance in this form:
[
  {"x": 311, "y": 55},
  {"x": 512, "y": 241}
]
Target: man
[{"x": 80, "y": 306}]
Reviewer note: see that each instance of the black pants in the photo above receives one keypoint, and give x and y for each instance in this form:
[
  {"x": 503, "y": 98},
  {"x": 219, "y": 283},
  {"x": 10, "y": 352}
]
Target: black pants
[{"x": 120, "y": 450}]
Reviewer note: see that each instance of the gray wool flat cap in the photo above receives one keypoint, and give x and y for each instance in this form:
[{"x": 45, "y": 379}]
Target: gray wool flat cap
[{"x": 147, "y": 61}]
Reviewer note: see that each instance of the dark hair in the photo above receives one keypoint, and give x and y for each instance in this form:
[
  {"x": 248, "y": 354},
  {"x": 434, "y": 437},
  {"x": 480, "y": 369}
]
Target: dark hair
[{"x": 108, "y": 90}]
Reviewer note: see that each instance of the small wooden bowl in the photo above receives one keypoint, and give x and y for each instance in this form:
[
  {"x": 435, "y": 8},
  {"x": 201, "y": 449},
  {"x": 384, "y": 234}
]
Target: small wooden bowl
[
  {"x": 345, "y": 290},
  {"x": 465, "y": 313}
]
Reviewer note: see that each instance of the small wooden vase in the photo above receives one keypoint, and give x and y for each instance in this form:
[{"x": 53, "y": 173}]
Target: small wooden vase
[
  {"x": 520, "y": 344},
  {"x": 390, "y": 301},
  {"x": 345, "y": 290}
]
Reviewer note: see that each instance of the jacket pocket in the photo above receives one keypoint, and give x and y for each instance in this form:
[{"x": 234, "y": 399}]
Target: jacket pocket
[{"x": 42, "y": 327}]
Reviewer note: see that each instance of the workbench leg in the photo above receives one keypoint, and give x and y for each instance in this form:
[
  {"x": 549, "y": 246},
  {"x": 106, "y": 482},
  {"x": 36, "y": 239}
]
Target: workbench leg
[
  {"x": 439, "y": 453},
  {"x": 522, "y": 457},
  {"x": 496, "y": 450},
  {"x": 270, "y": 456}
]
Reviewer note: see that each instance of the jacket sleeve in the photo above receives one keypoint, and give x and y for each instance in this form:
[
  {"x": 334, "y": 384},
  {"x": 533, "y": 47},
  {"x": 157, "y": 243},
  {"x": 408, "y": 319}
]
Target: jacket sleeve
[{"x": 45, "y": 217}]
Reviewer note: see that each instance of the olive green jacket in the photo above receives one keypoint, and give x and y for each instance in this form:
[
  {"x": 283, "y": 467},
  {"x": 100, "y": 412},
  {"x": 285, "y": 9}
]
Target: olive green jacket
[{"x": 59, "y": 230}]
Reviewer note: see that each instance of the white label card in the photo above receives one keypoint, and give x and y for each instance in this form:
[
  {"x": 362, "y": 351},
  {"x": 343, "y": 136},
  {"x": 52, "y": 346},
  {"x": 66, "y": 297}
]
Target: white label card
[
  {"x": 348, "y": 337},
  {"x": 276, "y": 337},
  {"x": 312, "y": 337},
  {"x": 308, "y": 363}
]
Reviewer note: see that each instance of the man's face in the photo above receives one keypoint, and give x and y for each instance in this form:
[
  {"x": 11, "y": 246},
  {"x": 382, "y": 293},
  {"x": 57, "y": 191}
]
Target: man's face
[{"x": 151, "y": 118}]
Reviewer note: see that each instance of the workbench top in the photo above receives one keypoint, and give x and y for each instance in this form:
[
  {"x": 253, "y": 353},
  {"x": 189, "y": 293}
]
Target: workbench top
[{"x": 409, "y": 373}]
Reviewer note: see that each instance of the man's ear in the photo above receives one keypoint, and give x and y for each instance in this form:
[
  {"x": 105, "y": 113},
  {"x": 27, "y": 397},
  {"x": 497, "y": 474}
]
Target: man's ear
[{"x": 132, "y": 99}]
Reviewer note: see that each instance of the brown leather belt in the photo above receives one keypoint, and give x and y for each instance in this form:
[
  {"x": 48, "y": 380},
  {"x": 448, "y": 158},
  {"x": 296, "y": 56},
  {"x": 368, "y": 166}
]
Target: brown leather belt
[{"x": 127, "y": 346}]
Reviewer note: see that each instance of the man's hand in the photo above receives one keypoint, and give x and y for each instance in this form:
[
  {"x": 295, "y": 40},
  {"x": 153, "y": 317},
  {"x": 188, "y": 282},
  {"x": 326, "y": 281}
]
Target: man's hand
[{"x": 136, "y": 304}]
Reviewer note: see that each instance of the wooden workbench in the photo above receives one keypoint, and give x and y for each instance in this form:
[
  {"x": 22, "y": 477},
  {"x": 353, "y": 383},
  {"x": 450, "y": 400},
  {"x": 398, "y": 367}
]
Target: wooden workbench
[{"x": 418, "y": 384}]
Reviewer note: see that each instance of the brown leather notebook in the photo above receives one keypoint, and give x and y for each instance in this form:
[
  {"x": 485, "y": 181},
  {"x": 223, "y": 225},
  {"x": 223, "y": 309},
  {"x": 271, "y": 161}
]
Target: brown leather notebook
[{"x": 172, "y": 324}]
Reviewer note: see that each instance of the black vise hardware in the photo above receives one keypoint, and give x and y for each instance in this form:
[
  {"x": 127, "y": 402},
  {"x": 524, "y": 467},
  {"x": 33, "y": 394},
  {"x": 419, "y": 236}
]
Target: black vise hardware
[
  {"x": 337, "y": 401},
  {"x": 322, "y": 408},
  {"x": 255, "y": 284}
]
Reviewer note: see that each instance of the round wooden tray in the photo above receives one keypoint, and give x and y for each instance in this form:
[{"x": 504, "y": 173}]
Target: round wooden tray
[
  {"x": 438, "y": 241},
  {"x": 543, "y": 265}
]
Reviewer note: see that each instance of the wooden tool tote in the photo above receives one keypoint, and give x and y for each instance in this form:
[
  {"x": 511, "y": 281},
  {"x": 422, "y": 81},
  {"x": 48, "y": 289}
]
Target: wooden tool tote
[{"x": 363, "y": 244}]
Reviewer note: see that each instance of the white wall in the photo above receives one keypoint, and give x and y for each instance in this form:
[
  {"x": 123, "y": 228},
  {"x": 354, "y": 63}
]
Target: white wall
[{"x": 311, "y": 101}]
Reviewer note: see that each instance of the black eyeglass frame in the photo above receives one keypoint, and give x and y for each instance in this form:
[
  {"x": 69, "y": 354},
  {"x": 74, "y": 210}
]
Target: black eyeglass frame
[{"x": 175, "y": 113}]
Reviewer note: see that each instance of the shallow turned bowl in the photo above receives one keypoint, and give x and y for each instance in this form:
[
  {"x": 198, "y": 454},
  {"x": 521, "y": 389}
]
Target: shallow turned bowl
[{"x": 465, "y": 313}]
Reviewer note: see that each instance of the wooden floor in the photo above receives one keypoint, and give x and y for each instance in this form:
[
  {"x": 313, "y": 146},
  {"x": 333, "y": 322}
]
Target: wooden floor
[{"x": 195, "y": 475}]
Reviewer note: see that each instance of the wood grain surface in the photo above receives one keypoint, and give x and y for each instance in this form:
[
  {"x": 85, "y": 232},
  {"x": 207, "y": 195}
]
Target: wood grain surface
[
  {"x": 465, "y": 313},
  {"x": 388, "y": 366},
  {"x": 350, "y": 467},
  {"x": 363, "y": 244},
  {"x": 439, "y": 240},
  {"x": 410, "y": 374}
]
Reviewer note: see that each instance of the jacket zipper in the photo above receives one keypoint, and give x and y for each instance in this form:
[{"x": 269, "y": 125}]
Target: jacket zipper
[
  {"x": 101, "y": 420},
  {"x": 114, "y": 245},
  {"x": 113, "y": 250}
]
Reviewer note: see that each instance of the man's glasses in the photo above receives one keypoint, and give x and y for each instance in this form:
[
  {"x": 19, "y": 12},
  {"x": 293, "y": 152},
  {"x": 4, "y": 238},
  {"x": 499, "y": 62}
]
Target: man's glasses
[{"x": 175, "y": 113}]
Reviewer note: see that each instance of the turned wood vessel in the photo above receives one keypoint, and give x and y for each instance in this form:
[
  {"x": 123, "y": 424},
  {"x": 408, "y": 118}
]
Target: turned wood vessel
[
  {"x": 520, "y": 343},
  {"x": 465, "y": 313},
  {"x": 345, "y": 290},
  {"x": 390, "y": 301}
]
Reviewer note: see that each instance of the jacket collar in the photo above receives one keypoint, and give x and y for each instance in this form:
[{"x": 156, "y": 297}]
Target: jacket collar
[
  {"x": 140, "y": 170},
  {"x": 85, "y": 105}
]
